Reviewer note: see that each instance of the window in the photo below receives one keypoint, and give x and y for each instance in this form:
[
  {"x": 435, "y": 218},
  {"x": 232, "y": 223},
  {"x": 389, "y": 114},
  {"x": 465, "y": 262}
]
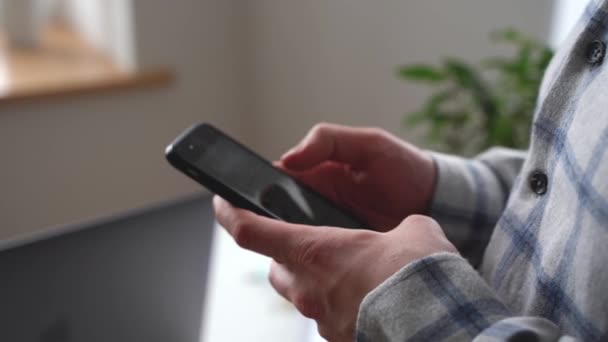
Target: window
[
  {"x": 567, "y": 12},
  {"x": 59, "y": 46}
]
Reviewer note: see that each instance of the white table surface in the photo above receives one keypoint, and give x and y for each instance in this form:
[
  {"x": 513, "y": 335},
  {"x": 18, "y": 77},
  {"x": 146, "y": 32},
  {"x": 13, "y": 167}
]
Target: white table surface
[{"x": 241, "y": 304}]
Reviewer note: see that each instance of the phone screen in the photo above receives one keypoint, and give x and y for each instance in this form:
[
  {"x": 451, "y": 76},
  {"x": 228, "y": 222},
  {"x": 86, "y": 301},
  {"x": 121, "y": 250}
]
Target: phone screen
[{"x": 224, "y": 160}]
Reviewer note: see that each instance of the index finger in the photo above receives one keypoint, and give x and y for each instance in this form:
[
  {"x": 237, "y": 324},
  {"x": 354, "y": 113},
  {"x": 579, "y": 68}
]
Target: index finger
[
  {"x": 328, "y": 142},
  {"x": 273, "y": 238}
]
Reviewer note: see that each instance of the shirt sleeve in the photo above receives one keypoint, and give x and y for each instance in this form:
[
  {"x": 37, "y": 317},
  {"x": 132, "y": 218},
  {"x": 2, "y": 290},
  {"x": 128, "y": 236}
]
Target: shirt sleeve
[
  {"x": 442, "y": 298},
  {"x": 471, "y": 194}
]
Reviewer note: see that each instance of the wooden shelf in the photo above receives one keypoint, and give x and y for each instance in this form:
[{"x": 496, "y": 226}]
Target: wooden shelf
[
  {"x": 66, "y": 65},
  {"x": 135, "y": 80}
]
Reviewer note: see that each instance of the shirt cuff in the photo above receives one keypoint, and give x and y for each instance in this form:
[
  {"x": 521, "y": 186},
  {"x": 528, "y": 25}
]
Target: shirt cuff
[
  {"x": 435, "y": 298},
  {"x": 467, "y": 203}
]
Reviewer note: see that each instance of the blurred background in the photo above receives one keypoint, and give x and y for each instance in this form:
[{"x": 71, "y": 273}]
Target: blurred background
[{"x": 91, "y": 91}]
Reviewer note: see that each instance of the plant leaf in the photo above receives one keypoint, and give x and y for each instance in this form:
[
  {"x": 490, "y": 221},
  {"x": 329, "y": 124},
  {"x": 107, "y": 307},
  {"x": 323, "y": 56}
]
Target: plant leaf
[
  {"x": 435, "y": 102},
  {"x": 461, "y": 72},
  {"x": 545, "y": 58},
  {"x": 523, "y": 61},
  {"x": 421, "y": 72},
  {"x": 501, "y": 64},
  {"x": 502, "y": 132},
  {"x": 507, "y": 35},
  {"x": 415, "y": 118},
  {"x": 470, "y": 111},
  {"x": 467, "y": 77}
]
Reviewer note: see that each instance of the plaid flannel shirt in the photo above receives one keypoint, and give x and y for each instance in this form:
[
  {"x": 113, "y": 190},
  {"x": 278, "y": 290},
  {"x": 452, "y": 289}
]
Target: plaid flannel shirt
[{"x": 539, "y": 245}]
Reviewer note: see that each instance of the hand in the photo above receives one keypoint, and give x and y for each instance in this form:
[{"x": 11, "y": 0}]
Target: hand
[
  {"x": 326, "y": 272},
  {"x": 378, "y": 177}
]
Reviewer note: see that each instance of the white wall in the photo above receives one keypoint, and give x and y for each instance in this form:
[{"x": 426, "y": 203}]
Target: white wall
[
  {"x": 334, "y": 60},
  {"x": 79, "y": 158}
]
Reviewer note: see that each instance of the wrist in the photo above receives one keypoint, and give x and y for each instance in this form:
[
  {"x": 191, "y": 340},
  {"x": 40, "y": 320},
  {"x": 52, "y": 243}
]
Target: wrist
[{"x": 428, "y": 182}]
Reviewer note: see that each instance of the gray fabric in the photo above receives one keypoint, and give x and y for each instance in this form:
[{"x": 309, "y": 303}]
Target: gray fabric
[
  {"x": 541, "y": 259},
  {"x": 471, "y": 195}
]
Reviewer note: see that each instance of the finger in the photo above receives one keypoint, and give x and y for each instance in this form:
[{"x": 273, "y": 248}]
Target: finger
[
  {"x": 349, "y": 145},
  {"x": 276, "y": 239},
  {"x": 281, "y": 279},
  {"x": 300, "y": 293},
  {"x": 329, "y": 179}
]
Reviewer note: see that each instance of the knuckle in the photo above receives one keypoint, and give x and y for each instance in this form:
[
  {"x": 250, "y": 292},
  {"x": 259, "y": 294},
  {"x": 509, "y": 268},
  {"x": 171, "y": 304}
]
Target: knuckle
[
  {"x": 241, "y": 233},
  {"x": 273, "y": 278},
  {"x": 326, "y": 332},
  {"x": 323, "y": 125},
  {"x": 308, "y": 305},
  {"x": 375, "y": 135},
  {"x": 307, "y": 253},
  {"x": 420, "y": 221},
  {"x": 320, "y": 129},
  {"x": 423, "y": 224}
]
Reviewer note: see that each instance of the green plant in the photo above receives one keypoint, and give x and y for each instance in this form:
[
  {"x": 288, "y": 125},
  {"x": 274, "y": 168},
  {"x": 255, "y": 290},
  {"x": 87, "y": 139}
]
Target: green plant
[{"x": 474, "y": 107}]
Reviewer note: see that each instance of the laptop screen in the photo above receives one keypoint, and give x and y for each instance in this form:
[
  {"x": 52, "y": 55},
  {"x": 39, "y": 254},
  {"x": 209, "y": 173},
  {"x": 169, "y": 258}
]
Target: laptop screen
[{"x": 140, "y": 277}]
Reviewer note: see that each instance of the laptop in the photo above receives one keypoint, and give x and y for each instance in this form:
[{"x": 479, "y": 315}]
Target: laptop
[{"x": 138, "y": 277}]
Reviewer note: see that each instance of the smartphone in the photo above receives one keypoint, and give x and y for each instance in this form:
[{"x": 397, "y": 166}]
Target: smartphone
[{"x": 248, "y": 181}]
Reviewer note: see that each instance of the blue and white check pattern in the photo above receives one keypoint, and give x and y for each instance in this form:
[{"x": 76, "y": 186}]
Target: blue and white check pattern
[{"x": 534, "y": 267}]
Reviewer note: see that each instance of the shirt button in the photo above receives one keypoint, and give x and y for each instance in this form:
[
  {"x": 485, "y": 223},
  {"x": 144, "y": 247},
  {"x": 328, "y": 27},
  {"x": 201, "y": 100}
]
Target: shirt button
[
  {"x": 538, "y": 182},
  {"x": 596, "y": 52}
]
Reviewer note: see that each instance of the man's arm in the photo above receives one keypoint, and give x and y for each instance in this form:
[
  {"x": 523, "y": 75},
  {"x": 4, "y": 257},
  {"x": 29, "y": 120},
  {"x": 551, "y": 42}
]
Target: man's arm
[
  {"x": 471, "y": 194},
  {"x": 441, "y": 297}
]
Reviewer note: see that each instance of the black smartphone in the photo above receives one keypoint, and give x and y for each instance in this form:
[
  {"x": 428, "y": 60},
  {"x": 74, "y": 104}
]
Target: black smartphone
[{"x": 248, "y": 181}]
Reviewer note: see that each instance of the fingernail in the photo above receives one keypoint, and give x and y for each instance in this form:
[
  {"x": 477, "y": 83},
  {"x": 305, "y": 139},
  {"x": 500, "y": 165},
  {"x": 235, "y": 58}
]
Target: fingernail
[{"x": 216, "y": 201}]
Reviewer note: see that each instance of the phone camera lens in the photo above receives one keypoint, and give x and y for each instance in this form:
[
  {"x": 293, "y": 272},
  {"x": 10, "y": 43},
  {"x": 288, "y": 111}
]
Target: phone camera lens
[
  {"x": 194, "y": 146},
  {"x": 191, "y": 149}
]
